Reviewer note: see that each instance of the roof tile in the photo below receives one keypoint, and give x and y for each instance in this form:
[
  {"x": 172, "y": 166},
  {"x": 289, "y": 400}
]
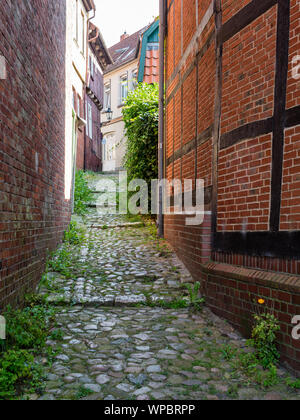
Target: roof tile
[{"x": 125, "y": 51}]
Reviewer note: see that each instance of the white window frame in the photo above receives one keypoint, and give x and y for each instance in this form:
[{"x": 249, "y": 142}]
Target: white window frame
[
  {"x": 78, "y": 106},
  {"x": 90, "y": 121},
  {"x": 86, "y": 117},
  {"x": 123, "y": 84},
  {"x": 107, "y": 96},
  {"x": 109, "y": 147},
  {"x": 104, "y": 151},
  {"x": 134, "y": 81},
  {"x": 76, "y": 21},
  {"x": 82, "y": 33},
  {"x": 73, "y": 99},
  {"x": 92, "y": 67}
]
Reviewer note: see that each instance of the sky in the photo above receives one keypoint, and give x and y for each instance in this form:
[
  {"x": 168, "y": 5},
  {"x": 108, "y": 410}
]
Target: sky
[{"x": 114, "y": 17}]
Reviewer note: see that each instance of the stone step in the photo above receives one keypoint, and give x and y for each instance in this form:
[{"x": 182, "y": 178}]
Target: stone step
[{"x": 120, "y": 225}]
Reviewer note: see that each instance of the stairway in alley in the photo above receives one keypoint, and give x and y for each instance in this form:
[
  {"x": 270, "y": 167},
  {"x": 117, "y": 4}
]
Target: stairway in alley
[{"x": 119, "y": 341}]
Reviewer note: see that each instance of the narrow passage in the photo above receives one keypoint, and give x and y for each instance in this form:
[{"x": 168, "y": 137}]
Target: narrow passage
[{"x": 118, "y": 344}]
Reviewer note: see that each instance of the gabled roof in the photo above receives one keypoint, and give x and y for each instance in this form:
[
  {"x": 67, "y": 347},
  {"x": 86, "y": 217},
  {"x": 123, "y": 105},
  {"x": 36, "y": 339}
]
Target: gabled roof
[
  {"x": 149, "y": 56},
  {"x": 125, "y": 51},
  {"x": 98, "y": 46}
]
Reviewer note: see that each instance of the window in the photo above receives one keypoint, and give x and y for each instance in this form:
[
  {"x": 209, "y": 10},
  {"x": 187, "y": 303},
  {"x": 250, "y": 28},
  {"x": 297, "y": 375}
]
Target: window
[
  {"x": 109, "y": 147},
  {"x": 134, "y": 82},
  {"x": 76, "y": 26},
  {"x": 104, "y": 149},
  {"x": 124, "y": 88},
  {"x": 90, "y": 121},
  {"x": 86, "y": 117},
  {"x": 78, "y": 105},
  {"x": 82, "y": 37},
  {"x": 107, "y": 96},
  {"x": 92, "y": 67},
  {"x": 73, "y": 98}
]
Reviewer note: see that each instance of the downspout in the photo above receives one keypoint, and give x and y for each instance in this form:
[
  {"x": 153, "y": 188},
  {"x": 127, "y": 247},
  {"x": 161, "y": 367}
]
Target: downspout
[
  {"x": 161, "y": 125},
  {"x": 86, "y": 83}
]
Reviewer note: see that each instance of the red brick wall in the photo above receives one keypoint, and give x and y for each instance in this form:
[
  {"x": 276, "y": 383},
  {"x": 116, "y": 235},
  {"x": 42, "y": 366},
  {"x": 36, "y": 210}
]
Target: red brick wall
[
  {"x": 293, "y": 91},
  {"x": 290, "y": 204},
  {"x": 249, "y": 73},
  {"x": 192, "y": 243},
  {"x": 231, "y": 7},
  {"x": 244, "y": 185},
  {"x": 225, "y": 65},
  {"x": 33, "y": 210},
  {"x": 233, "y": 293}
]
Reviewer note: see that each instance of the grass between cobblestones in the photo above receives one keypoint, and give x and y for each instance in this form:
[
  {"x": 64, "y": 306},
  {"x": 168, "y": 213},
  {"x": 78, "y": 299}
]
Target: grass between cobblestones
[{"x": 114, "y": 319}]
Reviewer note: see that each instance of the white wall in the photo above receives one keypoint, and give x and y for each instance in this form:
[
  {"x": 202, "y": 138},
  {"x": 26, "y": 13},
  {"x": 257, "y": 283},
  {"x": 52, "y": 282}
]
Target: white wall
[
  {"x": 116, "y": 143},
  {"x": 79, "y": 54},
  {"x": 75, "y": 76},
  {"x": 116, "y": 126}
]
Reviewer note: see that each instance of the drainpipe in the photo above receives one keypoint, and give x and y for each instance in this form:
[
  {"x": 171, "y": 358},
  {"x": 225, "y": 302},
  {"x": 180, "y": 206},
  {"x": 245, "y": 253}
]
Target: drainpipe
[
  {"x": 86, "y": 83},
  {"x": 161, "y": 127}
]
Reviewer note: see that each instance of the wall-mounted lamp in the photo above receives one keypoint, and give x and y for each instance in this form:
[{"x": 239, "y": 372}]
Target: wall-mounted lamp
[{"x": 109, "y": 114}]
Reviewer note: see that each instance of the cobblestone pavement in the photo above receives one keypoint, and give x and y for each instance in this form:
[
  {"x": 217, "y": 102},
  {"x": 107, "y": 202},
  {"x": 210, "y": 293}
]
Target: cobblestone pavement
[{"x": 118, "y": 344}]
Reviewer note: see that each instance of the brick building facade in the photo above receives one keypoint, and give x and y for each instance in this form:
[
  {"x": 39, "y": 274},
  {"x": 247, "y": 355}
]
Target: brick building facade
[
  {"x": 33, "y": 209},
  {"x": 98, "y": 59},
  {"x": 233, "y": 119}
]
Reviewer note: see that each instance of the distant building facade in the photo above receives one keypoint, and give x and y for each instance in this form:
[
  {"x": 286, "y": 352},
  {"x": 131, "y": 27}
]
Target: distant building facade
[
  {"x": 98, "y": 60},
  {"x": 135, "y": 60},
  {"x": 87, "y": 58},
  {"x": 79, "y": 12},
  {"x": 119, "y": 79}
]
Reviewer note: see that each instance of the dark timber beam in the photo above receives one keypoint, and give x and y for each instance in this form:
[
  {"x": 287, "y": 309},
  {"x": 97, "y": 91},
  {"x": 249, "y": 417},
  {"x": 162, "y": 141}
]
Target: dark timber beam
[
  {"x": 282, "y": 62},
  {"x": 243, "y": 18},
  {"x": 217, "y": 114}
]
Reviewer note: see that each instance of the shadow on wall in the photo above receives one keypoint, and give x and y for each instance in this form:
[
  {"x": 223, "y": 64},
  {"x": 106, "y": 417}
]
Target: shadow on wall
[{"x": 33, "y": 209}]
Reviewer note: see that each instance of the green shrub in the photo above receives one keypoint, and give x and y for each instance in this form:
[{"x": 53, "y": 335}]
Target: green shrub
[
  {"x": 75, "y": 235},
  {"x": 82, "y": 195},
  {"x": 18, "y": 372},
  {"x": 140, "y": 115},
  {"x": 292, "y": 383},
  {"x": 57, "y": 335},
  {"x": 264, "y": 339},
  {"x": 26, "y": 333},
  {"x": 28, "y": 328}
]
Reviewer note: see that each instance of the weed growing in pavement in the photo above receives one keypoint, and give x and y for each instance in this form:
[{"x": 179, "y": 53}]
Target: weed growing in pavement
[
  {"x": 82, "y": 393},
  {"x": 196, "y": 303},
  {"x": 82, "y": 194},
  {"x": 292, "y": 383},
  {"x": 27, "y": 330},
  {"x": 74, "y": 235},
  {"x": 61, "y": 262},
  {"x": 228, "y": 352},
  {"x": 264, "y": 339}
]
